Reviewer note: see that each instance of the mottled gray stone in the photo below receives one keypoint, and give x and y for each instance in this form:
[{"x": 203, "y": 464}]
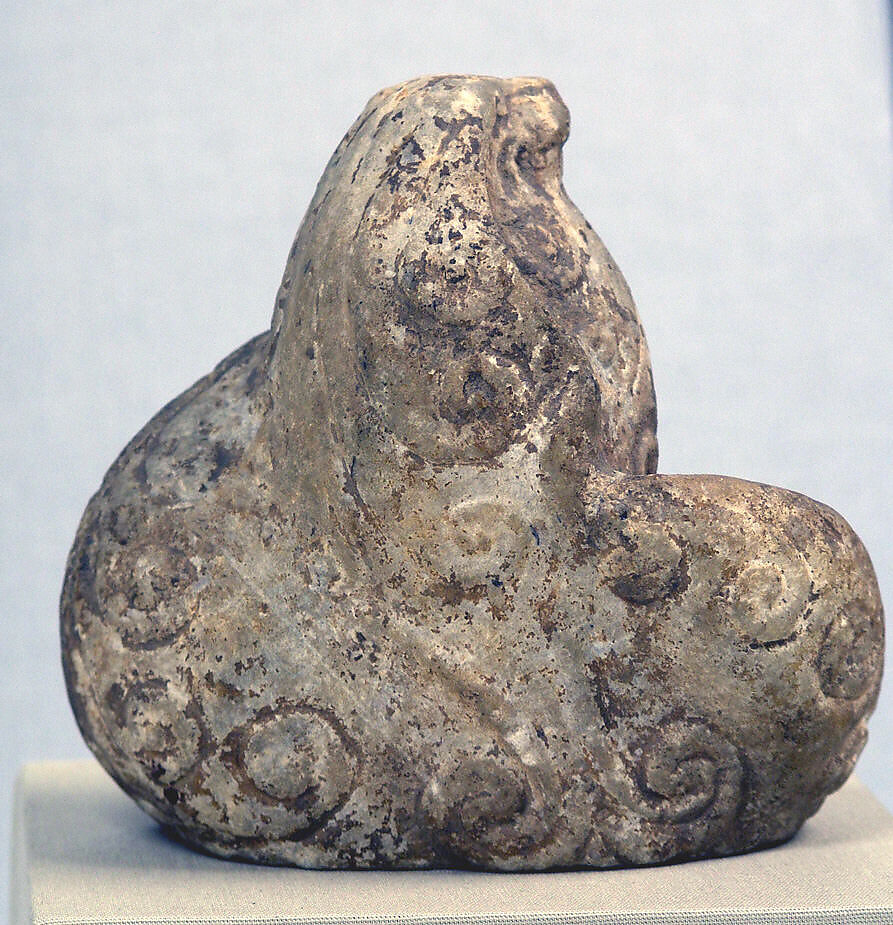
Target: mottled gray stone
[{"x": 396, "y": 584}]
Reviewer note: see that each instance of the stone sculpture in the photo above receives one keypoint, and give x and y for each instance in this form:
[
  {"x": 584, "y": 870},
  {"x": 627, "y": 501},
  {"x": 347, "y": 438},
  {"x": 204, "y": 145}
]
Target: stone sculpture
[{"x": 396, "y": 586}]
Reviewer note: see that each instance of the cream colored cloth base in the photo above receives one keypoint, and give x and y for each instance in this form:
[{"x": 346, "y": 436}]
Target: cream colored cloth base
[{"x": 84, "y": 853}]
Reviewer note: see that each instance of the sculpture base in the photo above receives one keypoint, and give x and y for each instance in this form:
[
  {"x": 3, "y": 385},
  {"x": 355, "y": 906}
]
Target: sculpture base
[{"x": 83, "y": 852}]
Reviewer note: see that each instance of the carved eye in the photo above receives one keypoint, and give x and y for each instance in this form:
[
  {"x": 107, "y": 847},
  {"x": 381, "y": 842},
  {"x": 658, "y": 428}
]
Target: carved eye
[
  {"x": 538, "y": 158},
  {"x": 851, "y": 655}
]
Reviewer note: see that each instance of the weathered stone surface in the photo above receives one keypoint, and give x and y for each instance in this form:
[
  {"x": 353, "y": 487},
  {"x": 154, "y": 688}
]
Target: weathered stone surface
[{"x": 396, "y": 585}]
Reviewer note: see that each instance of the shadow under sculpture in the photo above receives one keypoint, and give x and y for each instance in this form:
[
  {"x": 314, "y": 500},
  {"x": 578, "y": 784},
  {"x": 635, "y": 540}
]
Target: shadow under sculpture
[{"x": 396, "y": 585}]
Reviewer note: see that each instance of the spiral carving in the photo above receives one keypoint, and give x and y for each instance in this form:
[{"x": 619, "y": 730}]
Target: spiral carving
[
  {"x": 642, "y": 560},
  {"x": 485, "y": 803},
  {"x": 152, "y": 721},
  {"x": 158, "y": 590},
  {"x": 852, "y": 651},
  {"x": 295, "y": 767},
  {"x": 768, "y": 599},
  {"x": 686, "y": 771}
]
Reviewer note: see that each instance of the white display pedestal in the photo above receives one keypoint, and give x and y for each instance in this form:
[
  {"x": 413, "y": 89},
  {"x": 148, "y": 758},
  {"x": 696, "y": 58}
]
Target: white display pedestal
[{"x": 84, "y": 853}]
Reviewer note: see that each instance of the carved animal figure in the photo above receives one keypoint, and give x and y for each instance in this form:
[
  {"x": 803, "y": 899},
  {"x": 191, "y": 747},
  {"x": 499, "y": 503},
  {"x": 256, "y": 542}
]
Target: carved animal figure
[{"x": 396, "y": 585}]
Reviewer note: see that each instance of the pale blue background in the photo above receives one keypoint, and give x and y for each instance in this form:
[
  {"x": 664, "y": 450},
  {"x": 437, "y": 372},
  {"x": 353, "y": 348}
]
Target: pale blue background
[{"x": 157, "y": 158}]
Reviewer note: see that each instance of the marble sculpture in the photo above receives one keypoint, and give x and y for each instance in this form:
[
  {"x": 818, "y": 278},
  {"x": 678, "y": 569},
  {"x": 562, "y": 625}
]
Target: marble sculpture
[{"x": 396, "y": 585}]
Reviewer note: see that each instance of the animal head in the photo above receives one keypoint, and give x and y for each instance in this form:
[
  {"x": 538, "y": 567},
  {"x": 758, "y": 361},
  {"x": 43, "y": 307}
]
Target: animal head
[{"x": 445, "y": 290}]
